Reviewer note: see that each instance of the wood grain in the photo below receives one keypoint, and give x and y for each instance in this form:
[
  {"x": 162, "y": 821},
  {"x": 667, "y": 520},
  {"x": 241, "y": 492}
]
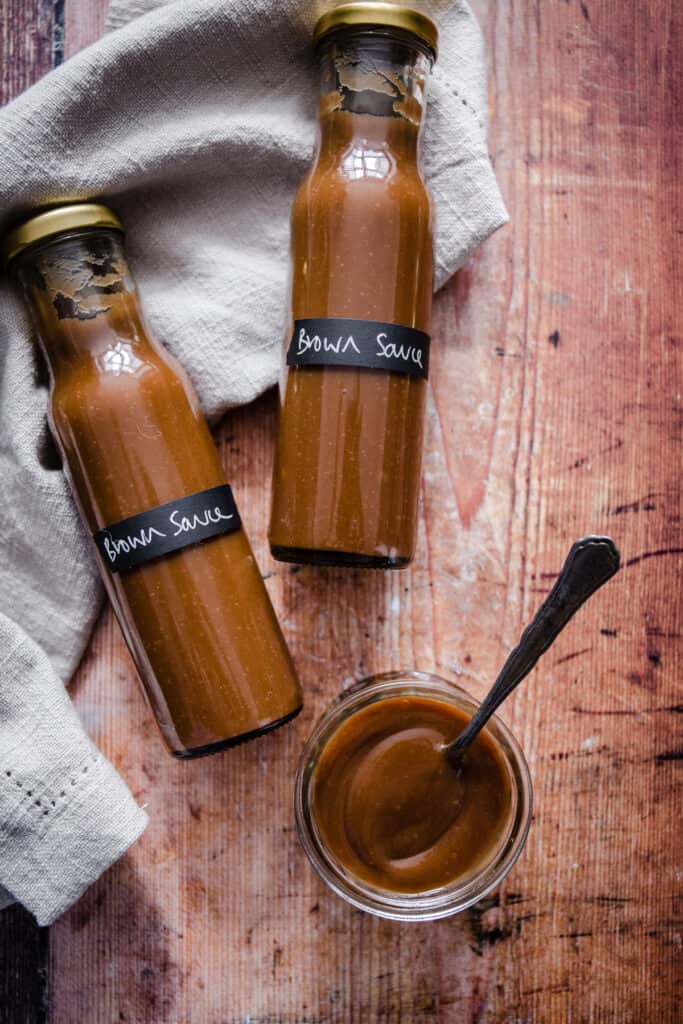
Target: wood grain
[
  {"x": 555, "y": 410},
  {"x": 28, "y": 30}
]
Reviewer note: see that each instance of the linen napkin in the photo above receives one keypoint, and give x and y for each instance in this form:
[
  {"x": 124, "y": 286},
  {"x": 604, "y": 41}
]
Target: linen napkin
[{"x": 195, "y": 121}]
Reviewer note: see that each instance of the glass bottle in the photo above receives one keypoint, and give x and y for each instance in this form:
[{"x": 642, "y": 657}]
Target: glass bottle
[
  {"x": 347, "y": 467},
  {"x": 146, "y": 477}
]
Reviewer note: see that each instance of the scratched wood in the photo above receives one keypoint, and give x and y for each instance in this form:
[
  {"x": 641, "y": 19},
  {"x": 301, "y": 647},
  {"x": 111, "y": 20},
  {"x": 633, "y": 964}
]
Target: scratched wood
[
  {"x": 29, "y": 37},
  {"x": 555, "y": 410}
]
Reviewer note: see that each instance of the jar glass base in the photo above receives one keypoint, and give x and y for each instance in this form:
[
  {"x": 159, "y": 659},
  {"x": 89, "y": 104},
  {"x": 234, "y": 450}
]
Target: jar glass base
[
  {"x": 345, "y": 559},
  {"x": 234, "y": 741}
]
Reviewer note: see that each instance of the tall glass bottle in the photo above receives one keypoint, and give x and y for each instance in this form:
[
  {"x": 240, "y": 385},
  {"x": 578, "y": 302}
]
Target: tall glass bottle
[
  {"x": 146, "y": 476},
  {"x": 347, "y": 467}
]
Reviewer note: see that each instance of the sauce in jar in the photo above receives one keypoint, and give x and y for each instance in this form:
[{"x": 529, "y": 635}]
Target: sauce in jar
[
  {"x": 347, "y": 466},
  {"x": 145, "y": 474},
  {"x": 391, "y": 810}
]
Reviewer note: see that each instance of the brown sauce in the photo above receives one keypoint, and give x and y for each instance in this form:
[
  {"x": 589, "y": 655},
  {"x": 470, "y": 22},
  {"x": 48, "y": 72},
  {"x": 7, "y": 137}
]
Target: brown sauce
[
  {"x": 390, "y": 808},
  {"x": 347, "y": 466},
  {"x": 198, "y": 622}
]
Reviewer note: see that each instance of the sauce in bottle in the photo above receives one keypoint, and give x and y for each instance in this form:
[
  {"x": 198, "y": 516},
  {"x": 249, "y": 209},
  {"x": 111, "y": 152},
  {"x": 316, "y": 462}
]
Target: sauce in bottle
[
  {"x": 347, "y": 466},
  {"x": 145, "y": 474}
]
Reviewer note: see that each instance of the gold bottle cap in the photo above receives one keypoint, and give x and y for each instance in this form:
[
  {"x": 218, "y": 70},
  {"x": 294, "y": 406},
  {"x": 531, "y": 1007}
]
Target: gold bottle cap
[
  {"x": 382, "y": 14},
  {"x": 54, "y": 222}
]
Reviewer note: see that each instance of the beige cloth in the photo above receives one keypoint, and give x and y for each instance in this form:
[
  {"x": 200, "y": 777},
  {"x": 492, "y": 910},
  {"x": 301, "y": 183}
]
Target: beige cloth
[{"x": 195, "y": 122}]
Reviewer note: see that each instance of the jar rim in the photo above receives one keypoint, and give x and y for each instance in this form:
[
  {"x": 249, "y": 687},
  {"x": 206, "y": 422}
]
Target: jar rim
[
  {"x": 378, "y": 15},
  {"x": 400, "y": 906},
  {"x": 55, "y": 221}
]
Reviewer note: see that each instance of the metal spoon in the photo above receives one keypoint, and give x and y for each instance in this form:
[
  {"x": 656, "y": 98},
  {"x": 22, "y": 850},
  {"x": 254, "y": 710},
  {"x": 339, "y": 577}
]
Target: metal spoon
[{"x": 590, "y": 563}]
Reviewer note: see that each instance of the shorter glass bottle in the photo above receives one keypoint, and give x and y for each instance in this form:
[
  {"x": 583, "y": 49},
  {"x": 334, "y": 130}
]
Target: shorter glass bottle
[
  {"x": 346, "y": 476},
  {"x": 146, "y": 477}
]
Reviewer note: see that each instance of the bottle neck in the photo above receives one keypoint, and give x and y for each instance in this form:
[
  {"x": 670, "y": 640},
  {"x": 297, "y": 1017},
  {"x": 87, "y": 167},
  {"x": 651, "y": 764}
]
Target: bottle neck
[
  {"x": 372, "y": 91},
  {"x": 81, "y": 296}
]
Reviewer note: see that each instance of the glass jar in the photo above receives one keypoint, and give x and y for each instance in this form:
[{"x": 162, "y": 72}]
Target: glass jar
[
  {"x": 146, "y": 477},
  {"x": 347, "y": 466},
  {"x": 402, "y": 906}
]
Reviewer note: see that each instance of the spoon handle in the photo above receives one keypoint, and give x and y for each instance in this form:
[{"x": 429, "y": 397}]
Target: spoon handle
[{"x": 590, "y": 563}]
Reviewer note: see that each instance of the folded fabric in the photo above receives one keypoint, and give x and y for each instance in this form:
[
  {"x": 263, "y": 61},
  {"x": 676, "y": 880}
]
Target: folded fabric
[{"x": 195, "y": 122}]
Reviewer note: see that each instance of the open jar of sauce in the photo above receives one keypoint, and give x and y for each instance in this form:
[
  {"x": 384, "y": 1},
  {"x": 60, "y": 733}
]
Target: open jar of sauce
[
  {"x": 146, "y": 477},
  {"x": 385, "y": 820},
  {"x": 347, "y": 466}
]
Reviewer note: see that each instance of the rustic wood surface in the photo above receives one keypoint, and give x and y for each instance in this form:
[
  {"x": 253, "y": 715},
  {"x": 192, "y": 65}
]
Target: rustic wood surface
[
  {"x": 27, "y": 51},
  {"x": 555, "y": 410}
]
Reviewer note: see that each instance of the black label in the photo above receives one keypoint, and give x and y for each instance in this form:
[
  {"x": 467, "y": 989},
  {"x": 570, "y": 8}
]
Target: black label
[
  {"x": 338, "y": 341},
  {"x": 166, "y": 528}
]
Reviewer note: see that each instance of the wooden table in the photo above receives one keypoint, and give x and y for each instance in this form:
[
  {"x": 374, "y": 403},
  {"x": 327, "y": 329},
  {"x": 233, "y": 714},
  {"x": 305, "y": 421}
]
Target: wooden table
[{"x": 555, "y": 410}]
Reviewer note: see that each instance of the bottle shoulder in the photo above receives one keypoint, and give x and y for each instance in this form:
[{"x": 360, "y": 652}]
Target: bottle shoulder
[
  {"x": 362, "y": 180},
  {"x": 125, "y": 371}
]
